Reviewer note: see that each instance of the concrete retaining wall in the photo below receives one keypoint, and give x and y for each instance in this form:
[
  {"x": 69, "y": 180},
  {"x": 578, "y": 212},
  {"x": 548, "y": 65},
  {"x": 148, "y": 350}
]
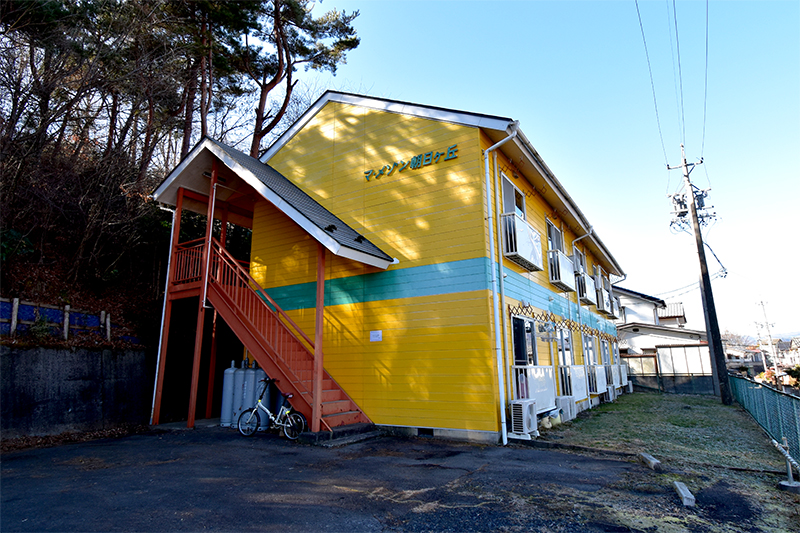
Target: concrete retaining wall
[{"x": 47, "y": 391}]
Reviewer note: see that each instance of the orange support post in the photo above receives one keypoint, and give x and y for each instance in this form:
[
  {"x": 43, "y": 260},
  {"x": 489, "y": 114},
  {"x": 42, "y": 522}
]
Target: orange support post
[
  {"x": 162, "y": 356},
  {"x": 316, "y": 408},
  {"x": 201, "y": 312}
]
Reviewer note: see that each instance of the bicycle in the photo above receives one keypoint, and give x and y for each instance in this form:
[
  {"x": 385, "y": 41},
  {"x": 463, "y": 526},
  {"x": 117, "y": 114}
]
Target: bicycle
[{"x": 292, "y": 423}]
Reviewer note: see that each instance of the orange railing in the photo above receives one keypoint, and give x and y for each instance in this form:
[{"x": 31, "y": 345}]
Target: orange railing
[
  {"x": 277, "y": 329},
  {"x": 188, "y": 259}
]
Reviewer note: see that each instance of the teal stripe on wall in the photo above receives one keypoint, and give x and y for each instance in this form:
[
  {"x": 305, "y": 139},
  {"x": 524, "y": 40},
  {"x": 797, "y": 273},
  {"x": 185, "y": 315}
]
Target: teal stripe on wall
[
  {"x": 431, "y": 280},
  {"x": 519, "y": 287}
]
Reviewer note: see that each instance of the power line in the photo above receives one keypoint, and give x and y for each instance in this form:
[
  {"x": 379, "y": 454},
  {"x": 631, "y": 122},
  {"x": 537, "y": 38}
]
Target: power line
[
  {"x": 705, "y": 92},
  {"x": 680, "y": 73},
  {"x": 653, "y": 87}
]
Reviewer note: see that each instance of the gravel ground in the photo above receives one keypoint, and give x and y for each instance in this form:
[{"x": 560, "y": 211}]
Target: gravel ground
[
  {"x": 718, "y": 451},
  {"x": 159, "y": 480}
]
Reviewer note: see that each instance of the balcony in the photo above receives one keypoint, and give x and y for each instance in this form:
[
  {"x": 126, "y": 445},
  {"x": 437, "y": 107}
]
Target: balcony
[
  {"x": 597, "y": 379},
  {"x": 521, "y": 243},
  {"x": 586, "y": 289},
  {"x": 572, "y": 382},
  {"x": 562, "y": 272},
  {"x": 616, "y": 375},
  {"x": 535, "y": 383},
  {"x": 603, "y": 299}
]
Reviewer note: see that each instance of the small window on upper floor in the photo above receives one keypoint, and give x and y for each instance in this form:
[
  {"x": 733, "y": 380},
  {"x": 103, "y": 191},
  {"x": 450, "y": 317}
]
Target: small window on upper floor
[
  {"x": 554, "y": 239},
  {"x": 513, "y": 199}
]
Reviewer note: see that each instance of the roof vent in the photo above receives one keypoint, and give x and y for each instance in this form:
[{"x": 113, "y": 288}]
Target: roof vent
[
  {"x": 360, "y": 238},
  {"x": 330, "y": 227}
]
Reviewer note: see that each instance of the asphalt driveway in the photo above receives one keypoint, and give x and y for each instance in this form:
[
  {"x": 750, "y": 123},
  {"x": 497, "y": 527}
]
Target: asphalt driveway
[{"x": 212, "y": 478}]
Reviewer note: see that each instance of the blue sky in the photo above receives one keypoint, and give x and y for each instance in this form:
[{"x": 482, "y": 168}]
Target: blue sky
[{"x": 575, "y": 75}]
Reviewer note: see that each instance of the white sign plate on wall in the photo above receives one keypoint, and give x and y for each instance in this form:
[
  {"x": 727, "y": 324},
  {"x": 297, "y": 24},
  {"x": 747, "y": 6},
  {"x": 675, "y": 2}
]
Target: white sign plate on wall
[{"x": 376, "y": 336}]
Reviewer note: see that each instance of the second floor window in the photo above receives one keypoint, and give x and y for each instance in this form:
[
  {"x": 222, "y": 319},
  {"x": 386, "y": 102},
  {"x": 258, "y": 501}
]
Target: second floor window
[
  {"x": 513, "y": 199},
  {"x": 554, "y": 240}
]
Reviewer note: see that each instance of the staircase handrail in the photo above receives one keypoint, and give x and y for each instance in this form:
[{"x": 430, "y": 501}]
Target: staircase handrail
[{"x": 257, "y": 288}]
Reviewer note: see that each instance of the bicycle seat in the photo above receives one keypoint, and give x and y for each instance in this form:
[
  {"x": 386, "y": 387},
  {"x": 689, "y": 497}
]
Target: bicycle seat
[{"x": 287, "y": 396}]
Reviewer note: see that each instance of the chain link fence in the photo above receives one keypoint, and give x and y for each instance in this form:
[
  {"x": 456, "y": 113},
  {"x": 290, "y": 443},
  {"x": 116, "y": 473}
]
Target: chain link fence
[{"x": 777, "y": 412}]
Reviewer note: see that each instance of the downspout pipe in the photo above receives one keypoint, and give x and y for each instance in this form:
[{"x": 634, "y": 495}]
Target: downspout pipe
[
  {"x": 163, "y": 311},
  {"x": 495, "y": 308},
  {"x": 498, "y": 221}
]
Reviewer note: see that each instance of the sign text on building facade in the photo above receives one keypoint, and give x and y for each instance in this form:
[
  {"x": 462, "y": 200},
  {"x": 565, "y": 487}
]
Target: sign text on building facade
[{"x": 418, "y": 161}]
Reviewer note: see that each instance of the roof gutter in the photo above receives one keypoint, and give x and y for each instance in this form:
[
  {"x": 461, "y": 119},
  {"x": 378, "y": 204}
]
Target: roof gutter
[{"x": 501, "y": 388}]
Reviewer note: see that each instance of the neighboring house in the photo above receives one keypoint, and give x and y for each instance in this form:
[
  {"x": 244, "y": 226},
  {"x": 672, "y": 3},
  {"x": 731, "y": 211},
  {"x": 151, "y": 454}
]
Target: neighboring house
[
  {"x": 672, "y": 315},
  {"x": 377, "y": 228},
  {"x": 638, "y": 307},
  {"x": 660, "y": 352},
  {"x": 744, "y": 358}
]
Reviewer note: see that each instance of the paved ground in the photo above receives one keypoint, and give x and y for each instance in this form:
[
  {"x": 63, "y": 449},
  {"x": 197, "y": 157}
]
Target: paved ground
[{"x": 215, "y": 479}]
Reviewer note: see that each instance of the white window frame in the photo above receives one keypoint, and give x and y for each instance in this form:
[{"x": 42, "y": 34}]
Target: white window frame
[
  {"x": 581, "y": 260},
  {"x": 566, "y": 354},
  {"x": 531, "y": 356},
  {"x": 553, "y": 231},
  {"x": 518, "y": 195},
  {"x": 589, "y": 352}
]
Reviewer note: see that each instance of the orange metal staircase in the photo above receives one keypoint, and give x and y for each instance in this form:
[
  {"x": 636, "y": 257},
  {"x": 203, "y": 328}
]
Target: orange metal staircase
[{"x": 268, "y": 333}]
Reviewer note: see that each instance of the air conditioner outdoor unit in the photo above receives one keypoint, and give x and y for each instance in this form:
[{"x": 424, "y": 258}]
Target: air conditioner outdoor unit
[
  {"x": 523, "y": 418},
  {"x": 567, "y": 406},
  {"x": 612, "y": 393}
]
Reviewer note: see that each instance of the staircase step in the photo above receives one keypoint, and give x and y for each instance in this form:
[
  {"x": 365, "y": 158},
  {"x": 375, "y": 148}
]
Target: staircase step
[
  {"x": 335, "y": 407},
  {"x": 343, "y": 419},
  {"x": 333, "y": 395}
]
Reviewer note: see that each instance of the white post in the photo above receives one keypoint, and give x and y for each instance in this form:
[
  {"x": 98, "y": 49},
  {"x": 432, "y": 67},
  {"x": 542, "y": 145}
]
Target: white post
[
  {"x": 66, "y": 322},
  {"x": 14, "y": 313}
]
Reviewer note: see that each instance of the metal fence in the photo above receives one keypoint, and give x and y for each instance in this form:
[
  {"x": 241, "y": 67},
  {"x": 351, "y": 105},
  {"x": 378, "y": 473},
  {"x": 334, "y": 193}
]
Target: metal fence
[{"x": 777, "y": 412}]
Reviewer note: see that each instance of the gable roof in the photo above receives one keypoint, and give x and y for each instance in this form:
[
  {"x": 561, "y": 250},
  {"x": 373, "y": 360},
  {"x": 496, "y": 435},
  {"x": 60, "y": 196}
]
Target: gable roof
[
  {"x": 496, "y": 128},
  {"x": 321, "y": 224},
  {"x": 657, "y": 301}
]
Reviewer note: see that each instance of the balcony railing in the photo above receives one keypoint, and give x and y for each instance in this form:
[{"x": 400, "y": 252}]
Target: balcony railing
[
  {"x": 575, "y": 376},
  {"x": 586, "y": 289},
  {"x": 562, "y": 271},
  {"x": 597, "y": 379},
  {"x": 521, "y": 243},
  {"x": 603, "y": 299},
  {"x": 615, "y": 370},
  {"x": 188, "y": 260},
  {"x": 609, "y": 372},
  {"x": 535, "y": 383}
]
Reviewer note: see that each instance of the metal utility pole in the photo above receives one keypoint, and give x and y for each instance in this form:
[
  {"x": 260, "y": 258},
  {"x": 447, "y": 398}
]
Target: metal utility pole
[
  {"x": 709, "y": 309},
  {"x": 773, "y": 350}
]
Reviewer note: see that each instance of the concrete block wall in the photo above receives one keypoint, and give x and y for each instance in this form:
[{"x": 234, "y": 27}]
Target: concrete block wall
[{"x": 47, "y": 391}]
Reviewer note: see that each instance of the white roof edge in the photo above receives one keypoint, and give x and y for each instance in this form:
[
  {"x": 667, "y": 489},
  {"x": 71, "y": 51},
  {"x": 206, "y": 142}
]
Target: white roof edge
[
  {"x": 204, "y": 143},
  {"x": 361, "y": 257},
  {"x": 527, "y": 148},
  {"x": 301, "y": 220},
  {"x": 289, "y": 210},
  {"x": 390, "y": 106}
]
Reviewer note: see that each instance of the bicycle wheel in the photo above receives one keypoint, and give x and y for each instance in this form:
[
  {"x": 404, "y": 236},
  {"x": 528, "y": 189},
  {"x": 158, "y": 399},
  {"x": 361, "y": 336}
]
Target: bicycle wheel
[
  {"x": 305, "y": 423},
  {"x": 293, "y": 427},
  {"x": 249, "y": 421}
]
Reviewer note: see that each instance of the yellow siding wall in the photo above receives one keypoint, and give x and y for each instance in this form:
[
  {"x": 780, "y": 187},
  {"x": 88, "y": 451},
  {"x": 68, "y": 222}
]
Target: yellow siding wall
[
  {"x": 421, "y": 216},
  {"x": 435, "y": 365}
]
